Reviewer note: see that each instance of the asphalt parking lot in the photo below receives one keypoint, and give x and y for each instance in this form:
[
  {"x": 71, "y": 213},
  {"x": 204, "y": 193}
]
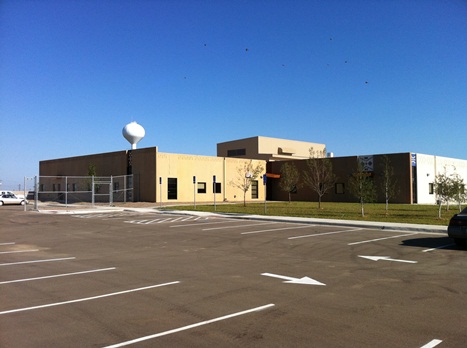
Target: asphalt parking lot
[{"x": 147, "y": 279}]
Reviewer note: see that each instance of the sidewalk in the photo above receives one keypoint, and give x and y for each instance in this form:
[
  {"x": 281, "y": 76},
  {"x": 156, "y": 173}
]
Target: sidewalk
[{"x": 152, "y": 208}]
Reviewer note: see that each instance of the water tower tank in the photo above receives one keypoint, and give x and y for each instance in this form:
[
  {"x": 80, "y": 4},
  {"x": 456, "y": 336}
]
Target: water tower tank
[{"x": 133, "y": 132}]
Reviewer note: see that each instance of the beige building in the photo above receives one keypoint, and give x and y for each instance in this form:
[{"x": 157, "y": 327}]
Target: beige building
[
  {"x": 268, "y": 149},
  {"x": 156, "y": 177},
  {"x": 177, "y": 178}
]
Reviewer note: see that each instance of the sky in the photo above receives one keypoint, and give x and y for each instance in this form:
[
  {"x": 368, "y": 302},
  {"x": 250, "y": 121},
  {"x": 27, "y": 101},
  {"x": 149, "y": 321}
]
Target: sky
[{"x": 361, "y": 76}]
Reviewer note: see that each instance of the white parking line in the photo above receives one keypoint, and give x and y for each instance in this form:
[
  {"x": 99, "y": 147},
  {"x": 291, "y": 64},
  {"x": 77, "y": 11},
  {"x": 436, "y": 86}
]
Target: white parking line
[
  {"x": 326, "y": 233},
  {"x": 375, "y": 240},
  {"x": 86, "y": 298},
  {"x": 9, "y": 243},
  {"x": 164, "y": 220},
  {"x": 176, "y": 219},
  {"x": 57, "y": 275},
  {"x": 145, "y": 338},
  {"x": 192, "y": 218},
  {"x": 432, "y": 343},
  {"x": 35, "y": 261},
  {"x": 206, "y": 223},
  {"x": 18, "y": 251},
  {"x": 440, "y": 247},
  {"x": 279, "y": 229},
  {"x": 226, "y": 227},
  {"x": 151, "y": 221}
]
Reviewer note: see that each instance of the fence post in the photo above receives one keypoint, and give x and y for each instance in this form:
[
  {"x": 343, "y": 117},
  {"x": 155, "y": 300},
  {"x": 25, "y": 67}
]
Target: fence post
[
  {"x": 36, "y": 193},
  {"x": 111, "y": 193},
  {"x": 24, "y": 194},
  {"x": 124, "y": 188},
  {"x": 92, "y": 190}
]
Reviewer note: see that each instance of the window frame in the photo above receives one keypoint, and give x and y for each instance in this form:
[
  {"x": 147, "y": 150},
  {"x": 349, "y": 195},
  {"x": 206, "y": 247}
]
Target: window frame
[
  {"x": 339, "y": 188},
  {"x": 201, "y": 187},
  {"x": 254, "y": 189}
]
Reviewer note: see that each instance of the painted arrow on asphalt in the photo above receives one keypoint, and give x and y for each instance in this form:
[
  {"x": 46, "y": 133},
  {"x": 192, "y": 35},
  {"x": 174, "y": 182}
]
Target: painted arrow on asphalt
[
  {"x": 385, "y": 258},
  {"x": 291, "y": 280}
]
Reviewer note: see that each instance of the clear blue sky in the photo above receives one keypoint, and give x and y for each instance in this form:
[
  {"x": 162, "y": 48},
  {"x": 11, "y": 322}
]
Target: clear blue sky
[{"x": 361, "y": 76}]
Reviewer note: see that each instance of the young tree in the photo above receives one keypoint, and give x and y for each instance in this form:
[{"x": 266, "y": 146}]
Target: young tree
[
  {"x": 289, "y": 181},
  {"x": 91, "y": 172},
  {"x": 389, "y": 185},
  {"x": 319, "y": 176},
  {"x": 459, "y": 194},
  {"x": 362, "y": 187},
  {"x": 443, "y": 190},
  {"x": 245, "y": 175}
]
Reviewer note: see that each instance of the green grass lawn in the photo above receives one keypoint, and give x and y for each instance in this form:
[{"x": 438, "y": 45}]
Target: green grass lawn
[{"x": 402, "y": 213}]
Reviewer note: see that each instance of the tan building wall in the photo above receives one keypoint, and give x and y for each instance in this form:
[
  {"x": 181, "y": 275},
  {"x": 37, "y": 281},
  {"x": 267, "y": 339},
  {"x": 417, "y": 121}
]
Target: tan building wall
[
  {"x": 268, "y": 149},
  {"x": 184, "y": 167}
]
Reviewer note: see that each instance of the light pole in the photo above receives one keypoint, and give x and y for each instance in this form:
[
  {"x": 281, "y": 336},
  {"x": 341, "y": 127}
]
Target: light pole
[
  {"x": 160, "y": 191},
  {"x": 194, "y": 191},
  {"x": 214, "y": 189}
]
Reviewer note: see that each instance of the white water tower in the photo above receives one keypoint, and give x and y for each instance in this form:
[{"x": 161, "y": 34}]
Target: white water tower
[{"x": 133, "y": 132}]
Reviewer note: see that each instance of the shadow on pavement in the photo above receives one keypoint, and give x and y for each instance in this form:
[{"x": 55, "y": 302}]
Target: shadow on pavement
[{"x": 440, "y": 242}]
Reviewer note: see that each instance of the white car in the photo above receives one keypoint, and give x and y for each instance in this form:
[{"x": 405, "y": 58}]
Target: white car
[
  {"x": 12, "y": 199},
  {"x": 10, "y": 193}
]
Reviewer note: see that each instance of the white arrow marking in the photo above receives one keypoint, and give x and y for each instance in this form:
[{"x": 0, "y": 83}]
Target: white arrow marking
[
  {"x": 385, "y": 258},
  {"x": 291, "y": 280}
]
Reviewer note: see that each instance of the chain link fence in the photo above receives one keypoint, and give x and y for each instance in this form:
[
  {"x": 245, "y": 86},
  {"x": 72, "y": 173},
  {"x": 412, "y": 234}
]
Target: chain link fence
[{"x": 83, "y": 189}]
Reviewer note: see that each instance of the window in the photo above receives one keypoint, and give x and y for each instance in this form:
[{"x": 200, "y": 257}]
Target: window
[
  {"x": 339, "y": 188},
  {"x": 217, "y": 188},
  {"x": 431, "y": 188},
  {"x": 201, "y": 187},
  {"x": 172, "y": 188},
  {"x": 73, "y": 187},
  {"x": 236, "y": 152},
  {"x": 254, "y": 189},
  {"x": 116, "y": 186}
]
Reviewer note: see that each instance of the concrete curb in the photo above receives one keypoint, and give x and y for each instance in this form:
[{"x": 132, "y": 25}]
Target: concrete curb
[
  {"x": 314, "y": 221},
  {"x": 344, "y": 223}
]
